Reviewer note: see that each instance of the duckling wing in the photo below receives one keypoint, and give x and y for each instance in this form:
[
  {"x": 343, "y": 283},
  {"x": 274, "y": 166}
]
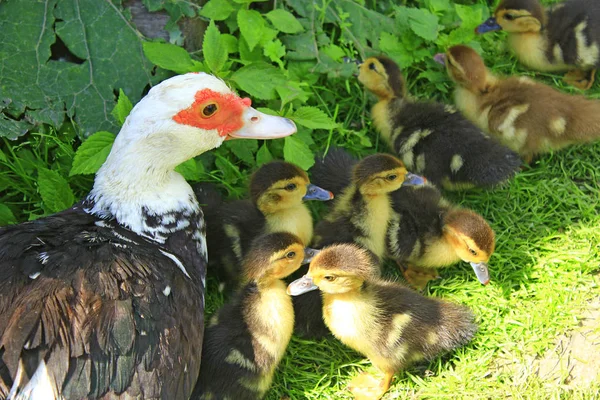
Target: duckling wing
[
  {"x": 441, "y": 144},
  {"x": 90, "y": 309},
  {"x": 333, "y": 171}
]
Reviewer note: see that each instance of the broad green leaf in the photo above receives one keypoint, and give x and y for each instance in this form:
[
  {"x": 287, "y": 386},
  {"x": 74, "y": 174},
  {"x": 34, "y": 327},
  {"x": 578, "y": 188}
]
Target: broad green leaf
[
  {"x": 391, "y": 45},
  {"x": 274, "y": 50},
  {"x": 230, "y": 42},
  {"x": 6, "y": 215},
  {"x": 123, "y": 108},
  {"x": 217, "y": 10},
  {"x": 190, "y": 170},
  {"x": 92, "y": 153},
  {"x": 423, "y": 23},
  {"x": 297, "y": 152},
  {"x": 215, "y": 52},
  {"x": 263, "y": 155},
  {"x": 284, "y": 21},
  {"x": 248, "y": 1},
  {"x": 302, "y": 46},
  {"x": 259, "y": 80},
  {"x": 313, "y": 118},
  {"x": 438, "y": 6},
  {"x": 333, "y": 51},
  {"x": 243, "y": 149},
  {"x": 55, "y": 190},
  {"x": 251, "y": 25},
  {"x": 105, "y": 54},
  {"x": 248, "y": 56},
  {"x": 171, "y": 57}
]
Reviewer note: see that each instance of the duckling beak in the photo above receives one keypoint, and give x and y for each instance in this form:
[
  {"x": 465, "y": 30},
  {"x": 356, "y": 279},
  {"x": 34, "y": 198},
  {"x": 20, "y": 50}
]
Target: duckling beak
[
  {"x": 489, "y": 25},
  {"x": 440, "y": 58},
  {"x": 301, "y": 286},
  {"x": 258, "y": 125},
  {"x": 414, "y": 180},
  {"x": 313, "y": 192},
  {"x": 309, "y": 254},
  {"x": 482, "y": 272},
  {"x": 348, "y": 60}
]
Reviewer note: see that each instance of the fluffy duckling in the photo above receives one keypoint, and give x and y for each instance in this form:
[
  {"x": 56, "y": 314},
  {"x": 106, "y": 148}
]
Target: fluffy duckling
[
  {"x": 390, "y": 324},
  {"x": 529, "y": 117},
  {"x": 277, "y": 191},
  {"x": 247, "y": 337},
  {"x": 560, "y": 37},
  {"x": 432, "y": 138},
  {"x": 425, "y": 231}
]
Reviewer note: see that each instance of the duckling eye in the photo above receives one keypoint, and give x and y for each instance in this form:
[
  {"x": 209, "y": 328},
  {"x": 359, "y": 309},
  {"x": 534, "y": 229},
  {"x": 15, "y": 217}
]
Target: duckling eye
[
  {"x": 290, "y": 187},
  {"x": 391, "y": 177},
  {"x": 329, "y": 278},
  {"x": 509, "y": 17},
  {"x": 473, "y": 252},
  {"x": 291, "y": 254},
  {"x": 209, "y": 109},
  {"x": 372, "y": 66}
]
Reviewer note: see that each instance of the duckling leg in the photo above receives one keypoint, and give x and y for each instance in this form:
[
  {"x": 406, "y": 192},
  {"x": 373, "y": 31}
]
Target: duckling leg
[
  {"x": 367, "y": 387},
  {"x": 580, "y": 78},
  {"x": 417, "y": 277}
]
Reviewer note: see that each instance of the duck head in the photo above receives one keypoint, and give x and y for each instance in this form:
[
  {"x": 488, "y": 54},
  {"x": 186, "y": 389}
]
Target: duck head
[
  {"x": 378, "y": 174},
  {"x": 382, "y": 76},
  {"x": 515, "y": 16},
  {"x": 466, "y": 68}
]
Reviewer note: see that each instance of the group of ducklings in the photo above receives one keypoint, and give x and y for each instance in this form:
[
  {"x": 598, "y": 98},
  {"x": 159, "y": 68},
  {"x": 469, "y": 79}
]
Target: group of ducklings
[{"x": 381, "y": 211}]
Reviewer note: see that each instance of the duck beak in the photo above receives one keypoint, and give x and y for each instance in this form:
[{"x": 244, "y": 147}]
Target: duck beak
[
  {"x": 440, "y": 58},
  {"x": 313, "y": 192},
  {"x": 348, "y": 60},
  {"x": 489, "y": 25},
  {"x": 309, "y": 254},
  {"x": 482, "y": 272},
  {"x": 258, "y": 125},
  {"x": 414, "y": 180},
  {"x": 301, "y": 286}
]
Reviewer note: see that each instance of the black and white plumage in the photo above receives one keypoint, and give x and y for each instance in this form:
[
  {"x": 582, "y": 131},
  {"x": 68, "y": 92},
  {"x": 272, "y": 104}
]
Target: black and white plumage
[{"x": 105, "y": 300}]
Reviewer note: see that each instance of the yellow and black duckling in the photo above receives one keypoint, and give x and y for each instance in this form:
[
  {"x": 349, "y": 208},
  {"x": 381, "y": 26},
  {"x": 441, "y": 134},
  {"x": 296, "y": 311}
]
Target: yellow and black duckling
[
  {"x": 529, "y": 117},
  {"x": 360, "y": 214},
  {"x": 277, "y": 191},
  {"x": 247, "y": 337},
  {"x": 560, "y": 37},
  {"x": 432, "y": 138},
  {"x": 390, "y": 324},
  {"x": 425, "y": 231}
]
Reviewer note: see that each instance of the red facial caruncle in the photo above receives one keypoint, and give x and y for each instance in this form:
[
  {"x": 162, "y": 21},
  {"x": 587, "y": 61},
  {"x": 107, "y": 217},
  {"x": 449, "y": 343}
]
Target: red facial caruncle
[{"x": 214, "y": 110}]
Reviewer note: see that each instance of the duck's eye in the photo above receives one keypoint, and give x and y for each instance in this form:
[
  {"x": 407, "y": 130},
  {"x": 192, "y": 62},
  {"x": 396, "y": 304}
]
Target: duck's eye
[
  {"x": 473, "y": 252},
  {"x": 372, "y": 66},
  {"x": 209, "y": 109},
  {"x": 391, "y": 177},
  {"x": 509, "y": 17},
  {"x": 329, "y": 278},
  {"x": 291, "y": 254},
  {"x": 290, "y": 187}
]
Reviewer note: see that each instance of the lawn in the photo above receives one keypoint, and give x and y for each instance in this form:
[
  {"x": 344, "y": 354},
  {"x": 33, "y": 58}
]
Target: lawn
[{"x": 539, "y": 318}]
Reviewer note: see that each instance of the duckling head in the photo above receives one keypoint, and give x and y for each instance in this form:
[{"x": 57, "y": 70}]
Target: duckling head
[
  {"x": 378, "y": 174},
  {"x": 279, "y": 185},
  {"x": 275, "y": 256},
  {"x": 336, "y": 269},
  {"x": 515, "y": 16},
  {"x": 382, "y": 76},
  {"x": 466, "y": 68},
  {"x": 472, "y": 238}
]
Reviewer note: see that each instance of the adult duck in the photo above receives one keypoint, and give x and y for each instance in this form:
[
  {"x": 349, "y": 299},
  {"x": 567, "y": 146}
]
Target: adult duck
[{"x": 106, "y": 299}]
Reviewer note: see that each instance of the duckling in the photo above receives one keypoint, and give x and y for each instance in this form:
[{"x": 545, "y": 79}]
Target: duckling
[
  {"x": 529, "y": 117},
  {"x": 390, "y": 324},
  {"x": 246, "y": 338},
  {"x": 277, "y": 191},
  {"x": 432, "y": 138},
  {"x": 425, "y": 231},
  {"x": 561, "y": 37}
]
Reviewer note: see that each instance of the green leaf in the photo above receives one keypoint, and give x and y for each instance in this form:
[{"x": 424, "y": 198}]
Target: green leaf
[
  {"x": 313, "y": 118},
  {"x": 284, "y": 21},
  {"x": 217, "y": 10},
  {"x": 190, "y": 170},
  {"x": 230, "y": 42},
  {"x": 123, "y": 108},
  {"x": 333, "y": 51},
  {"x": 92, "y": 153},
  {"x": 263, "y": 155},
  {"x": 251, "y": 25},
  {"x": 275, "y": 50},
  {"x": 259, "y": 80},
  {"x": 46, "y": 90},
  {"x": 171, "y": 57},
  {"x": 215, "y": 52},
  {"x": 55, "y": 191},
  {"x": 248, "y": 1},
  {"x": 6, "y": 215},
  {"x": 243, "y": 149},
  {"x": 438, "y": 5},
  {"x": 297, "y": 152},
  {"x": 423, "y": 23}
]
